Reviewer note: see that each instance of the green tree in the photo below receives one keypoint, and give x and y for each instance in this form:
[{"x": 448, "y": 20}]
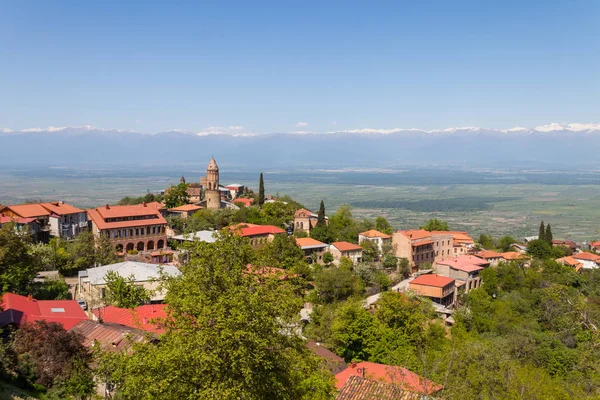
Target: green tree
[
  {"x": 539, "y": 248},
  {"x": 333, "y": 284},
  {"x": 404, "y": 266},
  {"x": 486, "y": 241},
  {"x": 390, "y": 261},
  {"x": 505, "y": 242},
  {"x": 228, "y": 336},
  {"x": 104, "y": 252},
  {"x": 60, "y": 259},
  {"x": 548, "y": 236},
  {"x": 542, "y": 232},
  {"x": 282, "y": 252},
  {"x": 177, "y": 195},
  {"x": 370, "y": 251},
  {"x": 123, "y": 292},
  {"x": 51, "y": 289},
  {"x": 261, "y": 191},
  {"x": 382, "y": 225},
  {"x": 328, "y": 258},
  {"x": 435, "y": 224},
  {"x": 17, "y": 266},
  {"x": 354, "y": 332},
  {"x": 321, "y": 215}
]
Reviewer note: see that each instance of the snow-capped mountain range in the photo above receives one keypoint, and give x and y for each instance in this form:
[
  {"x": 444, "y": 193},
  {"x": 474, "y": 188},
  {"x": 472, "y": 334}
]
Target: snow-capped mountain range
[{"x": 552, "y": 145}]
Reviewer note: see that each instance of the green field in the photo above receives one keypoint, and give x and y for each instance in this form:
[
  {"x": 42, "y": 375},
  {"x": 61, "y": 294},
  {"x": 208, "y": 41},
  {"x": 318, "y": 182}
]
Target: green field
[{"x": 573, "y": 210}]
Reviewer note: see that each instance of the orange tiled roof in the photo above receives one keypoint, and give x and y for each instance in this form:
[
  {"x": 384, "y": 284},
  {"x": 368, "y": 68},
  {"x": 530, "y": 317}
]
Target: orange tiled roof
[
  {"x": 28, "y": 210},
  {"x": 244, "y": 201},
  {"x": 61, "y": 208},
  {"x": 375, "y": 233},
  {"x": 402, "y": 377},
  {"x": 346, "y": 246},
  {"x": 187, "y": 207},
  {"x": 586, "y": 257},
  {"x": 97, "y": 217},
  {"x": 485, "y": 254},
  {"x": 431, "y": 280},
  {"x": 303, "y": 242},
  {"x": 571, "y": 262},
  {"x": 359, "y": 388},
  {"x": 513, "y": 255},
  {"x": 595, "y": 244},
  {"x": 415, "y": 234}
]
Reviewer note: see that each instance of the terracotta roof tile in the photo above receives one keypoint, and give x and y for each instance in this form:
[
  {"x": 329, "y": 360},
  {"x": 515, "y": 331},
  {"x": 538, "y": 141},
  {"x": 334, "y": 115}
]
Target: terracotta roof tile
[
  {"x": 374, "y": 233},
  {"x": 415, "y": 234},
  {"x": 586, "y": 257},
  {"x": 28, "y": 210},
  {"x": 187, "y": 207},
  {"x": 431, "y": 280},
  {"x": 109, "y": 336},
  {"x": 135, "y": 211},
  {"x": 513, "y": 255},
  {"x": 358, "y": 388},
  {"x": 346, "y": 246},
  {"x": 21, "y": 309},
  {"x": 309, "y": 243},
  {"x": 395, "y": 375},
  {"x": 59, "y": 208},
  {"x": 465, "y": 263}
]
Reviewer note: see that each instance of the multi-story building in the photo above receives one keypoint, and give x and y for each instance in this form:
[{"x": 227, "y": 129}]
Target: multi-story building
[
  {"x": 305, "y": 220},
  {"x": 464, "y": 269},
  {"x": 381, "y": 239},
  {"x": 415, "y": 245},
  {"x": 54, "y": 219},
  {"x": 66, "y": 221},
  {"x": 440, "y": 289},
  {"x": 138, "y": 227}
]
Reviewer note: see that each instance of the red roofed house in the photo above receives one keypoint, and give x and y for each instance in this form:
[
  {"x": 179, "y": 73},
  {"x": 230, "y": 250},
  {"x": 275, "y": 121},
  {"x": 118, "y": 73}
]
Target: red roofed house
[
  {"x": 595, "y": 245},
  {"x": 147, "y": 317},
  {"x": 440, "y": 289},
  {"x": 243, "y": 201},
  {"x": 258, "y": 234},
  {"x": 589, "y": 260},
  {"x": 21, "y": 224},
  {"x": 490, "y": 256},
  {"x": 461, "y": 241},
  {"x": 305, "y": 220},
  {"x": 66, "y": 221},
  {"x": 313, "y": 249},
  {"x": 571, "y": 245},
  {"x": 185, "y": 210},
  {"x": 465, "y": 269},
  {"x": 346, "y": 249},
  {"x": 390, "y": 374},
  {"x": 138, "y": 227},
  {"x": 570, "y": 262},
  {"x": 21, "y": 309},
  {"x": 417, "y": 246},
  {"x": 372, "y": 235}
]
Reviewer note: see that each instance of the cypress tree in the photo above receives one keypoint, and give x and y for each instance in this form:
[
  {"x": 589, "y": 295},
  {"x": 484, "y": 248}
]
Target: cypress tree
[
  {"x": 548, "y": 235},
  {"x": 261, "y": 191},
  {"x": 542, "y": 234},
  {"x": 321, "y": 214}
]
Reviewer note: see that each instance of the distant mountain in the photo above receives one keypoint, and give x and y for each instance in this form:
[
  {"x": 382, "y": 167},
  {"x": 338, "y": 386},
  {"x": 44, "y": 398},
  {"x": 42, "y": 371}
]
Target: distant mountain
[{"x": 554, "y": 145}]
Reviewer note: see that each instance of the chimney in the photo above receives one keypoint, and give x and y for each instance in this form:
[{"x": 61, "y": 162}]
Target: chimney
[
  {"x": 107, "y": 207},
  {"x": 29, "y": 297},
  {"x": 353, "y": 364},
  {"x": 144, "y": 204}
]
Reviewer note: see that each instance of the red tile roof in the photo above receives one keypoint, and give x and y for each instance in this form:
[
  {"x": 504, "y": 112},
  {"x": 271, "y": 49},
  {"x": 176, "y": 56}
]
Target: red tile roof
[
  {"x": 187, "y": 207},
  {"x": 513, "y": 255},
  {"x": 109, "y": 336},
  {"x": 358, "y": 388},
  {"x": 99, "y": 214},
  {"x": 460, "y": 237},
  {"x": 486, "y": 254},
  {"x": 147, "y": 318},
  {"x": 309, "y": 242},
  {"x": 28, "y": 210},
  {"x": 20, "y": 309},
  {"x": 595, "y": 244},
  {"x": 571, "y": 262},
  {"x": 586, "y": 257},
  {"x": 60, "y": 208},
  {"x": 346, "y": 246},
  {"x": 402, "y": 377},
  {"x": 248, "y": 230},
  {"x": 374, "y": 233},
  {"x": 415, "y": 234},
  {"x": 6, "y": 219},
  {"x": 244, "y": 201},
  {"x": 431, "y": 280},
  {"x": 465, "y": 263}
]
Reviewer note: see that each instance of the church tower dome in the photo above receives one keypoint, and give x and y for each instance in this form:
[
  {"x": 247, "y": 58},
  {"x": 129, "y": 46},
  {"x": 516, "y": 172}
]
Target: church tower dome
[{"x": 212, "y": 165}]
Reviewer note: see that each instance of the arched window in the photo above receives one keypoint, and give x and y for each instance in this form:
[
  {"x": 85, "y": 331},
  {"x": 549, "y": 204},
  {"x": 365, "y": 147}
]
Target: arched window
[
  {"x": 150, "y": 245},
  {"x": 140, "y": 246},
  {"x": 160, "y": 244},
  {"x": 129, "y": 247}
]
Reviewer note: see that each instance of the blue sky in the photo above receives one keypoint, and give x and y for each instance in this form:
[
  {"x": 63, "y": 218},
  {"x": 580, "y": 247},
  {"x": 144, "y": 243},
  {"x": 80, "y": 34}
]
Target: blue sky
[{"x": 287, "y": 66}]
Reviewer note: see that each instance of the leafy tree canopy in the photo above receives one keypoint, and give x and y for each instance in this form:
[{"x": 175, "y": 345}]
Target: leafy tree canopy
[{"x": 435, "y": 224}]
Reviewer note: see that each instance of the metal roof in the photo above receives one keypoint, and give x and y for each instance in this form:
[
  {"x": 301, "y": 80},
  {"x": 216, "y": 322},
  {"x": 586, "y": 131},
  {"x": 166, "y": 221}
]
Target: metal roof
[{"x": 142, "y": 272}]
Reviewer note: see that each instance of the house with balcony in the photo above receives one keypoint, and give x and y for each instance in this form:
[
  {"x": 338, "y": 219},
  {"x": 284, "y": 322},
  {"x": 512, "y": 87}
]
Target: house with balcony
[
  {"x": 313, "y": 249},
  {"x": 440, "y": 289},
  {"x": 139, "y": 227},
  {"x": 464, "y": 269},
  {"x": 66, "y": 221},
  {"x": 380, "y": 239}
]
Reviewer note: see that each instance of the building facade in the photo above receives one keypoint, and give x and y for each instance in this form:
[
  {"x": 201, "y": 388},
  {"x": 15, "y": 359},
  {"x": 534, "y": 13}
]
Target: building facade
[
  {"x": 137, "y": 227},
  {"x": 380, "y": 239},
  {"x": 439, "y": 289},
  {"x": 416, "y": 246},
  {"x": 313, "y": 249},
  {"x": 346, "y": 249}
]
